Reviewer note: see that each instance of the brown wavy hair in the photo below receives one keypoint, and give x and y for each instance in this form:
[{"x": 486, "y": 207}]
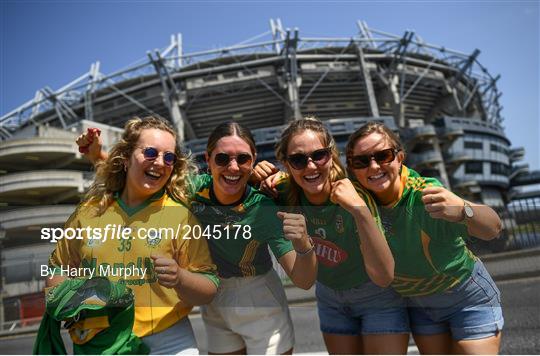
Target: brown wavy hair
[
  {"x": 111, "y": 176},
  {"x": 337, "y": 171},
  {"x": 368, "y": 129}
]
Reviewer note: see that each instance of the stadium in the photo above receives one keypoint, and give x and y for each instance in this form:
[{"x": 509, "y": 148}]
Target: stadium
[{"x": 442, "y": 102}]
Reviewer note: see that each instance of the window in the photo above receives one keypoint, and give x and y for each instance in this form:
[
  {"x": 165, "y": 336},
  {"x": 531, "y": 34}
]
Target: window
[
  {"x": 497, "y": 148},
  {"x": 499, "y": 168},
  {"x": 473, "y": 145},
  {"x": 474, "y": 168},
  {"x": 230, "y": 75}
]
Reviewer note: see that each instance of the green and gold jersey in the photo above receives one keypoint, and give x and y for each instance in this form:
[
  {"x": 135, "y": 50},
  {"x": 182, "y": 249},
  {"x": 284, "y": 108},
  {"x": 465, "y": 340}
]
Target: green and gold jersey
[
  {"x": 239, "y": 234},
  {"x": 430, "y": 254},
  {"x": 335, "y": 235},
  {"x": 118, "y": 245}
]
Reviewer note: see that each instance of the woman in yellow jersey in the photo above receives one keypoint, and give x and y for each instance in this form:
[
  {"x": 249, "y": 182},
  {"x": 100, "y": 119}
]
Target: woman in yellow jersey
[
  {"x": 454, "y": 305},
  {"x": 133, "y": 206}
]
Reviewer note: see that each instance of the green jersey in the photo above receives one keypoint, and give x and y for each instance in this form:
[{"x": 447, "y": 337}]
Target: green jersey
[
  {"x": 335, "y": 235},
  {"x": 239, "y": 234},
  {"x": 100, "y": 315},
  {"x": 430, "y": 254}
]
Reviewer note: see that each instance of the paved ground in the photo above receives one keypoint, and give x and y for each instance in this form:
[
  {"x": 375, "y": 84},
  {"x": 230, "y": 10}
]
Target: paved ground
[{"x": 521, "y": 299}]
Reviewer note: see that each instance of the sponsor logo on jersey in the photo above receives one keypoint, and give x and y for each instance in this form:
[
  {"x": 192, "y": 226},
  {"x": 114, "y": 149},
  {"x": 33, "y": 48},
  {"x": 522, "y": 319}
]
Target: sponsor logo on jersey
[
  {"x": 339, "y": 224},
  {"x": 328, "y": 253},
  {"x": 317, "y": 221}
]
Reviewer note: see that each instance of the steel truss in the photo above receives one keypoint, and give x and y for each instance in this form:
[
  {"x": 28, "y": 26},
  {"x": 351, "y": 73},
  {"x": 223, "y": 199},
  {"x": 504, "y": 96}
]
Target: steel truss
[{"x": 466, "y": 80}]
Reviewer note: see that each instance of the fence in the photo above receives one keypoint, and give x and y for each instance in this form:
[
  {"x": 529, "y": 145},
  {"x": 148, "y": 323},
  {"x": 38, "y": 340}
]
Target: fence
[{"x": 521, "y": 228}]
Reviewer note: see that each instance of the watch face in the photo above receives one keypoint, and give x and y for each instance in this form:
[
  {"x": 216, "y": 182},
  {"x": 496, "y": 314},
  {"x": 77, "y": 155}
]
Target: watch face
[{"x": 468, "y": 211}]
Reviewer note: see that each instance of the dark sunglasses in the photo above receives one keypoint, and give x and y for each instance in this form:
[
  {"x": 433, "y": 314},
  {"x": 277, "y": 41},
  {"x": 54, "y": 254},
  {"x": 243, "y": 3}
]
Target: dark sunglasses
[
  {"x": 300, "y": 160},
  {"x": 151, "y": 153},
  {"x": 383, "y": 156},
  {"x": 223, "y": 159}
]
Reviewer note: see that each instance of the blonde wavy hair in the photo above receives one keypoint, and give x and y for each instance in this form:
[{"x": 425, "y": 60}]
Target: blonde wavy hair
[
  {"x": 337, "y": 171},
  {"x": 111, "y": 174}
]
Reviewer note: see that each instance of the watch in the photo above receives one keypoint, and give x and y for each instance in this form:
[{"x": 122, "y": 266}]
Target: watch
[{"x": 468, "y": 212}]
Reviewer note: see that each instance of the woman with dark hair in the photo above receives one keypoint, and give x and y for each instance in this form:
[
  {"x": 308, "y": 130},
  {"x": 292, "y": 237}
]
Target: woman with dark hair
[
  {"x": 454, "y": 305},
  {"x": 357, "y": 313},
  {"x": 139, "y": 187},
  {"x": 250, "y": 312}
]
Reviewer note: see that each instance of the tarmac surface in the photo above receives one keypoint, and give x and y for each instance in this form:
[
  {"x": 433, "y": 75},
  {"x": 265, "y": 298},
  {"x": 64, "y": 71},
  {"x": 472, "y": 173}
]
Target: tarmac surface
[{"x": 518, "y": 278}]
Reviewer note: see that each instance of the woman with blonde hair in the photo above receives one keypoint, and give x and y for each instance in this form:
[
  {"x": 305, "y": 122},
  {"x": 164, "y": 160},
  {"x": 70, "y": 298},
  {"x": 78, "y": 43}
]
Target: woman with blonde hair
[
  {"x": 139, "y": 188},
  {"x": 357, "y": 313}
]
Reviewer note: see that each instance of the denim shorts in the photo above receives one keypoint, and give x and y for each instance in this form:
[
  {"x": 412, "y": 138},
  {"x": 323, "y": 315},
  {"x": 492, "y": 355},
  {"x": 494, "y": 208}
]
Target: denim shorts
[
  {"x": 175, "y": 340},
  {"x": 471, "y": 310},
  {"x": 367, "y": 309}
]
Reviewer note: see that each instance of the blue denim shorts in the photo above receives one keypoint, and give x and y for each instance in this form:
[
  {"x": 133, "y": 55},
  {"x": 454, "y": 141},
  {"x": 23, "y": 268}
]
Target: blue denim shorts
[
  {"x": 367, "y": 309},
  {"x": 471, "y": 310},
  {"x": 175, "y": 340}
]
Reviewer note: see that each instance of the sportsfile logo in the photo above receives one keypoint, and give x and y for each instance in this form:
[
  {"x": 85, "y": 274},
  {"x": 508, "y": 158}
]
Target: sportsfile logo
[{"x": 119, "y": 232}]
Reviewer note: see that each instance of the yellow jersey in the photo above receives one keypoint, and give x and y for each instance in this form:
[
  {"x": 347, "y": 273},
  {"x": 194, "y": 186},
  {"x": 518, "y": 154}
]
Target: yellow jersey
[{"x": 118, "y": 245}]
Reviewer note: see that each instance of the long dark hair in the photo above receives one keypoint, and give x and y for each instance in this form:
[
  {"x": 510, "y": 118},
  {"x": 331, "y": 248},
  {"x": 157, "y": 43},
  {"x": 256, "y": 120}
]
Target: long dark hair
[{"x": 230, "y": 128}]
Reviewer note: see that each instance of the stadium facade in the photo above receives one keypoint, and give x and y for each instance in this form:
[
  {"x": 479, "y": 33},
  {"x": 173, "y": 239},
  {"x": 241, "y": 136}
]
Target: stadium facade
[{"x": 443, "y": 103}]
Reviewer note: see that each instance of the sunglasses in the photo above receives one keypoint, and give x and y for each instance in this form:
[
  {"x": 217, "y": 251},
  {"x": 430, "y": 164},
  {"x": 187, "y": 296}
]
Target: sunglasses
[
  {"x": 383, "y": 156},
  {"x": 151, "y": 154},
  {"x": 300, "y": 160},
  {"x": 223, "y": 159}
]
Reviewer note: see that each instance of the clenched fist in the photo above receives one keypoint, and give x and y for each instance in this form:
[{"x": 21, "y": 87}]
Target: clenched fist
[
  {"x": 344, "y": 194},
  {"x": 168, "y": 272}
]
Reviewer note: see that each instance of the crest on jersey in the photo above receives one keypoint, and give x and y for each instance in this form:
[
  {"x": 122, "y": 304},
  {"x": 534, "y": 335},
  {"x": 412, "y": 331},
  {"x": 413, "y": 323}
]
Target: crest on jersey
[
  {"x": 339, "y": 224},
  {"x": 91, "y": 242},
  {"x": 153, "y": 238}
]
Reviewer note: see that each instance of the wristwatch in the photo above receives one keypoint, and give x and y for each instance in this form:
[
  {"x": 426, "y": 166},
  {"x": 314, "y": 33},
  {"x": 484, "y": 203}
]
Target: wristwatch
[{"x": 468, "y": 212}]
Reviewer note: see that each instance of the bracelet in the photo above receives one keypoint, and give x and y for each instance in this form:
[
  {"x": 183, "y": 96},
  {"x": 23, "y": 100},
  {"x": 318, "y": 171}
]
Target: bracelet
[{"x": 308, "y": 250}]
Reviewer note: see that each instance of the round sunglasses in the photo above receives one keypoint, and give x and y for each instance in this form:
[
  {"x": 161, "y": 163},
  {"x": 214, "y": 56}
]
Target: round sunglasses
[
  {"x": 383, "y": 156},
  {"x": 152, "y": 153},
  {"x": 223, "y": 159},
  {"x": 300, "y": 160}
]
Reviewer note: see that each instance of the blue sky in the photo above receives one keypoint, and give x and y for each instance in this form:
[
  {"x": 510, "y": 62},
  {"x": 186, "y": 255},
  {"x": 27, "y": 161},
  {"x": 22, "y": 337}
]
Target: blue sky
[{"x": 50, "y": 43}]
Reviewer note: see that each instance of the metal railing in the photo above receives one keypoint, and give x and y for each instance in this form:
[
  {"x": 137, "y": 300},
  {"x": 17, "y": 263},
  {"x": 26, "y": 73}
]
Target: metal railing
[{"x": 521, "y": 228}]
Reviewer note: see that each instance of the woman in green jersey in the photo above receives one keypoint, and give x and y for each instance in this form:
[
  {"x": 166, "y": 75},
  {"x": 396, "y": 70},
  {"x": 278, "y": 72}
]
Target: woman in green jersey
[
  {"x": 357, "y": 313},
  {"x": 454, "y": 305},
  {"x": 250, "y": 313},
  {"x": 136, "y": 190}
]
